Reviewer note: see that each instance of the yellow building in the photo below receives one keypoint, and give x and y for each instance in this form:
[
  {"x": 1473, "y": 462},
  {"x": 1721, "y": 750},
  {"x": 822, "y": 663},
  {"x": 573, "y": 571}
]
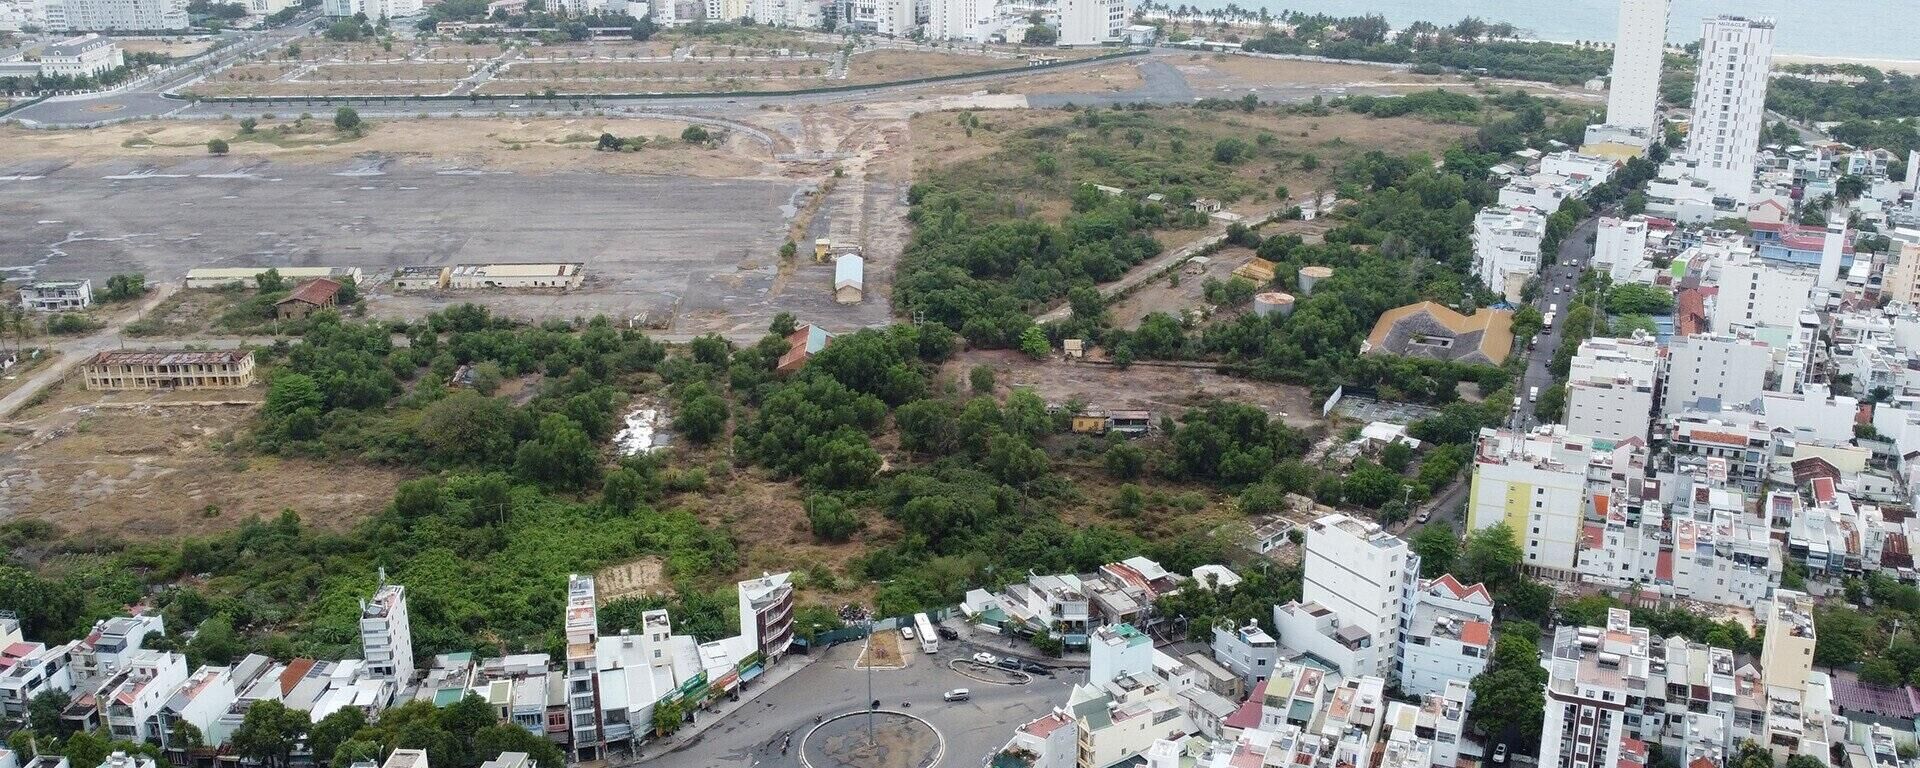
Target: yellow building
[{"x": 166, "y": 369}]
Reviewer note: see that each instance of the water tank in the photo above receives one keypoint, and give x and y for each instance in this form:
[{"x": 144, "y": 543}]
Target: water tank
[
  {"x": 1311, "y": 275},
  {"x": 1270, "y": 303}
]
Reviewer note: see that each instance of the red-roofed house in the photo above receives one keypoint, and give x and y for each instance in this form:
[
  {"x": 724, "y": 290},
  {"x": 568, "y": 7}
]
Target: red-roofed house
[{"x": 1449, "y": 635}]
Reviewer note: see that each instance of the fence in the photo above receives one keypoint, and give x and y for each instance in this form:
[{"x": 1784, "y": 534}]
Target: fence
[{"x": 862, "y": 630}]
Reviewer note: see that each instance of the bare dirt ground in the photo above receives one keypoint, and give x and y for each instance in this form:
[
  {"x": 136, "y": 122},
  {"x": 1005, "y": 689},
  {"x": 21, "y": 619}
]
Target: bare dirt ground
[
  {"x": 137, "y": 465},
  {"x": 1118, "y": 76},
  {"x": 1139, "y": 387},
  {"x": 882, "y": 651},
  {"x": 884, "y": 65},
  {"x": 645, "y": 576},
  {"x": 178, "y": 49},
  {"x": 533, "y": 145},
  {"x": 1162, "y": 296},
  {"x": 1261, "y": 70}
]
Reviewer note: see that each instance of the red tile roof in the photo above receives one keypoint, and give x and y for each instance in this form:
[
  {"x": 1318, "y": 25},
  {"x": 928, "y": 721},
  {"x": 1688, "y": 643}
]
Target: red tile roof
[
  {"x": 1248, "y": 715},
  {"x": 1663, "y": 566},
  {"x": 1461, "y": 591},
  {"x": 1593, "y": 536},
  {"x": 295, "y": 672},
  {"x": 1042, "y": 727},
  {"x": 318, "y": 292},
  {"x": 1477, "y": 633}
]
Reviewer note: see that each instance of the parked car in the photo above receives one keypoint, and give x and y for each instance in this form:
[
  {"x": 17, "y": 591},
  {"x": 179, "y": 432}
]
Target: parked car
[
  {"x": 1013, "y": 664},
  {"x": 1037, "y": 669},
  {"x": 957, "y": 694},
  {"x": 947, "y": 633},
  {"x": 906, "y": 633},
  {"x": 1425, "y": 516},
  {"x": 985, "y": 658},
  {"x": 1500, "y": 754}
]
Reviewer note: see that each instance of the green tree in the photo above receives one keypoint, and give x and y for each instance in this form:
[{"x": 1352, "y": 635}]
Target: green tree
[
  {"x": 667, "y": 717},
  {"x": 43, "y": 713},
  {"x": 334, "y": 730},
  {"x": 694, "y": 134},
  {"x": 248, "y": 124},
  {"x": 216, "y": 147},
  {"x": 467, "y": 429},
  {"x": 1033, "y": 341},
  {"x": 981, "y": 379},
  {"x": 269, "y": 733},
  {"x": 215, "y": 643},
  {"x": 126, "y": 286},
  {"x": 269, "y": 281},
  {"x": 1508, "y": 698},
  {"x": 293, "y": 406},
  {"x": 346, "y": 119},
  {"x": 703, "y": 415},
  {"x": 1492, "y": 556},
  {"x": 1124, "y": 460},
  {"x": 1437, "y": 547},
  {"x": 830, "y": 518},
  {"x": 560, "y": 455}
]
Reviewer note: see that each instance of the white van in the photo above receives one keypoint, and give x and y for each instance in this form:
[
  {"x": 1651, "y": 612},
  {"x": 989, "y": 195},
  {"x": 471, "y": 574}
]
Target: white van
[
  {"x": 1533, "y": 394},
  {"x": 957, "y": 694}
]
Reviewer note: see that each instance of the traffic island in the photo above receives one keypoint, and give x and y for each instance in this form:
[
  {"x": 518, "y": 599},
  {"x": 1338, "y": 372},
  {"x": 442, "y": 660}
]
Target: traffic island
[{"x": 880, "y": 739}]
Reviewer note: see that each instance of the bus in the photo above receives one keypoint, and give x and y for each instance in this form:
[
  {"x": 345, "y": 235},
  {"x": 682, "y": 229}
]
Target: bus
[{"x": 929, "y": 639}]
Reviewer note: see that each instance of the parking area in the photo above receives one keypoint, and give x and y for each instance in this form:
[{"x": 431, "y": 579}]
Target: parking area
[{"x": 781, "y": 716}]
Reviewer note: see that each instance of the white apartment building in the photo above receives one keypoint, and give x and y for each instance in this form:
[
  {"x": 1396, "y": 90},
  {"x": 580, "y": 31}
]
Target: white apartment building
[
  {"x": 1582, "y": 171},
  {"x": 895, "y": 18},
  {"x": 1117, "y": 651},
  {"x": 85, "y": 56},
  {"x": 391, "y": 9},
  {"x": 958, "y": 20},
  {"x": 1729, "y": 103},
  {"x": 1592, "y": 673},
  {"x": 1540, "y": 191},
  {"x": 1449, "y": 636},
  {"x": 133, "y": 699},
  {"x": 1757, "y": 292},
  {"x": 1506, "y": 248},
  {"x": 386, "y": 634},
  {"x": 1091, "y": 22},
  {"x": 1812, "y": 413},
  {"x": 1535, "y": 482},
  {"x": 1678, "y": 195},
  {"x": 1639, "y": 47},
  {"x": 1619, "y": 246},
  {"x": 1729, "y": 368},
  {"x": 1610, "y": 388},
  {"x": 1246, "y": 651},
  {"x": 1358, "y": 582},
  {"x": 115, "y": 15},
  {"x": 36, "y": 669},
  {"x": 110, "y": 646},
  {"x": 206, "y": 695}
]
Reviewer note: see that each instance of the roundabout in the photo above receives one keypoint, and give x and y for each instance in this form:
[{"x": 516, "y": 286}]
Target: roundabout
[{"x": 895, "y": 739}]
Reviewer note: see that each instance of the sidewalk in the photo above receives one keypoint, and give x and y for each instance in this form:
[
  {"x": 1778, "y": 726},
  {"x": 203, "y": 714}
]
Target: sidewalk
[{"x": 703, "y": 719}]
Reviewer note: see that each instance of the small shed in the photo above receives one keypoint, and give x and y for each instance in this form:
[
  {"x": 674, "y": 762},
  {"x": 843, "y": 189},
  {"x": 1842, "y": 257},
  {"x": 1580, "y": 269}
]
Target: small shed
[
  {"x": 1109, "y": 191},
  {"x": 1075, "y": 348},
  {"x": 1090, "y": 423},
  {"x": 821, "y": 249},
  {"x": 1207, "y": 205},
  {"x": 849, "y": 278},
  {"x": 1257, "y": 269},
  {"x": 311, "y": 296},
  {"x": 1130, "y": 423}
]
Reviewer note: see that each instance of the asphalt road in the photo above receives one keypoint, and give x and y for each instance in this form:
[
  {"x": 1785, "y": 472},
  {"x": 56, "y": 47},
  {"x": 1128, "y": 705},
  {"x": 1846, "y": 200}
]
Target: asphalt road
[
  {"x": 973, "y": 729},
  {"x": 1556, "y": 293}
]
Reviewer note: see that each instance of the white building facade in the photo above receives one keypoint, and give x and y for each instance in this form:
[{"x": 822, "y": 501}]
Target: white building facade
[
  {"x": 1506, "y": 248},
  {"x": 1610, "y": 388},
  {"x": 1729, "y": 103}
]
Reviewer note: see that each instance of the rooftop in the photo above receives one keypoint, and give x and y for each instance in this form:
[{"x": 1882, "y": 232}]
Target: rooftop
[{"x": 168, "y": 357}]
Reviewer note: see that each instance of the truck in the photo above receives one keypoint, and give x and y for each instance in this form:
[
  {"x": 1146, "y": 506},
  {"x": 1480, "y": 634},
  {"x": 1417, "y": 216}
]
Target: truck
[
  {"x": 929, "y": 639},
  {"x": 1549, "y": 321}
]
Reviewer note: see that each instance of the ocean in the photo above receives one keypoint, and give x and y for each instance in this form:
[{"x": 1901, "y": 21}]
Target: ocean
[{"x": 1879, "y": 29}]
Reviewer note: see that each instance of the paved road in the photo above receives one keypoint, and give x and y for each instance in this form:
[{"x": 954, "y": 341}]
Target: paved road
[
  {"x": 146, "y": 101},
  {"x": 973, "y": 729},
  {"x": 1562, "y": 276}
]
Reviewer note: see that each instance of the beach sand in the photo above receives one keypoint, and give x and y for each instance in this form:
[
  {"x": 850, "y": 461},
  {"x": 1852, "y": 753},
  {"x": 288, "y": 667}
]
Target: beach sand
[{"x": 1909, "y": 66}]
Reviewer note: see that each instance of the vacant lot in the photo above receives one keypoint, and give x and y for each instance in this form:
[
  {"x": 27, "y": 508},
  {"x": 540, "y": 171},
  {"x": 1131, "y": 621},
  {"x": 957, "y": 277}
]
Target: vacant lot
[
  {"x": 1163, "y": 296},
  {"x": 1155, "y": 151},
  {"x": 529, "y": 145},
  {"x": 178, "y": 49},
  {"x": 136, "y": 465},
  {"x": 409, "y": 70},
  {"x": 598, "y": 49},
  {"x": 660, "y": 70},
  {"x": 1154, "y": 388},
  {"x": 881, "y": 66}
]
